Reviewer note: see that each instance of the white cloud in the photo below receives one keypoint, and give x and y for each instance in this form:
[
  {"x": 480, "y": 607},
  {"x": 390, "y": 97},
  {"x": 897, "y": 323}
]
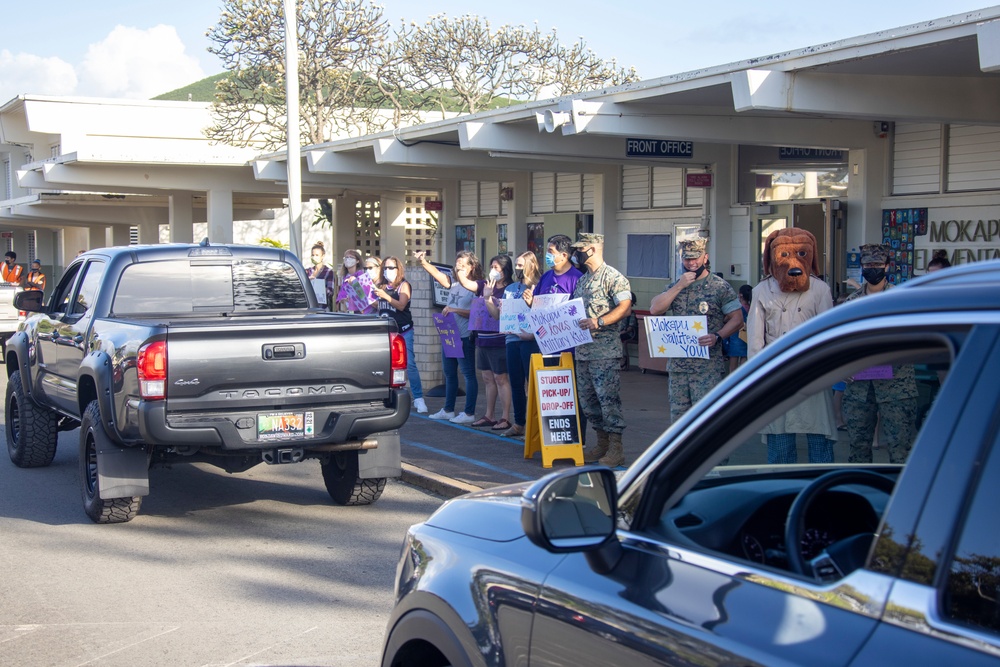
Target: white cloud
[
  {"x": 137, "y": 64},
  {"x": 27, "y": 73}
]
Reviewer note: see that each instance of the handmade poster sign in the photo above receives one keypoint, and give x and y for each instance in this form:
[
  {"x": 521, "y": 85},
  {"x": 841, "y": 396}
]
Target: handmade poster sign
[
  {"x": 558, "y": 328},
  {"x": 451, "y": 340},
  {"x": 676, "y": 336},
  {"x": 546, "y": 301},
  {"x": 358, "y": 293},
  {"x": 514, "y": 316},
  {"x": 480, "y": 318},
  {"x": 319, "y": 289}
]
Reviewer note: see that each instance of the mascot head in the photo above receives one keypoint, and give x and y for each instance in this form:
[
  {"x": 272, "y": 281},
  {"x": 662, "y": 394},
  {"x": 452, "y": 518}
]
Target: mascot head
[{"x": 790, "y": 256}]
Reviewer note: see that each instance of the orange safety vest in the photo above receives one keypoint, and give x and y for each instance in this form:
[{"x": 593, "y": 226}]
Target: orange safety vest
[
  {"x": 35, "y": 281},
  {"x": 11, "y": 274}
]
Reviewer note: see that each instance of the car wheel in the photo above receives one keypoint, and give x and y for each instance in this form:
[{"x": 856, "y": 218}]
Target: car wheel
[
  {"x": 31, "y": 430},
  {"x": 92, "y": 437},
  {"x": 340, "y": 474}
]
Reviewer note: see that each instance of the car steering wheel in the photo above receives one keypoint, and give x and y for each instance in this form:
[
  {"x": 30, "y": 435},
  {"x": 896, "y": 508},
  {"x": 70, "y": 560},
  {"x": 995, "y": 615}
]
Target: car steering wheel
[{"x": 843, "y": 556}]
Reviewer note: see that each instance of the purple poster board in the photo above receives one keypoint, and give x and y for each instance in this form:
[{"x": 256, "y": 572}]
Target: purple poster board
[
  {"x": 480, "y": 318},
  {"x": 875, "y": 373},
  {"x": 357, "y": 293},
  {"x": 451, "y": 341}
]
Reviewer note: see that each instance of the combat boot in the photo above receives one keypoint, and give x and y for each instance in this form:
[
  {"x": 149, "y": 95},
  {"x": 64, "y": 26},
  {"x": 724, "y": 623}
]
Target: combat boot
[
  {"x": 616, "y": 453},
  {"x": 594, "y": 454}
]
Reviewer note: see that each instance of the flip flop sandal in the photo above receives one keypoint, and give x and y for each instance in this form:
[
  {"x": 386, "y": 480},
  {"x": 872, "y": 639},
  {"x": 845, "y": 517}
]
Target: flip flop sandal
[
  {"x": 482, "y": 422},
  {"x": 501, "y": 425}
]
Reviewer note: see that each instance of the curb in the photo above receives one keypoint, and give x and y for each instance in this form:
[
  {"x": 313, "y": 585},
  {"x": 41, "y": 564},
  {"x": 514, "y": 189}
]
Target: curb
[{"x": 435, "y": 483}]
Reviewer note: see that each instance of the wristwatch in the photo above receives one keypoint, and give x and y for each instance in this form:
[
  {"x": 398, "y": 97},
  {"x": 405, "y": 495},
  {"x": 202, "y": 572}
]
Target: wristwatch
[
  {"x": 600, "y": 322},
  {"x": 718, "y": 338}
]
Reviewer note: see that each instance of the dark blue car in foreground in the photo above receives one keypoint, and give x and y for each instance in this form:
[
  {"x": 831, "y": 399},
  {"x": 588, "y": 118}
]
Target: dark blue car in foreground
[{"x": 705, "y": 554}]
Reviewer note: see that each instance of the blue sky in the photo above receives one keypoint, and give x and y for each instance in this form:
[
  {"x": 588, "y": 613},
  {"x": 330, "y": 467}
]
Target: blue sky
[{"x": 138, "y": 49}]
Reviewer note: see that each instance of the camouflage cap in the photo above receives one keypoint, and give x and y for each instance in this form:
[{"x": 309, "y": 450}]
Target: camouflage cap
[
  {"x": 875, "y": 253},
  {"x": 587, "y": 238},
  {"x": 692, "y": 248}
]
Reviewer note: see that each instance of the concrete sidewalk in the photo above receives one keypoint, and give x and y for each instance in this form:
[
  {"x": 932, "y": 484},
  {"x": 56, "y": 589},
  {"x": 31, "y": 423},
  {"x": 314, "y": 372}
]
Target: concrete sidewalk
[{"x": 451, "y": 459}]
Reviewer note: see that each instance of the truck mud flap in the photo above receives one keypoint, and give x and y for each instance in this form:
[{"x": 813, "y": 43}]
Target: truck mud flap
[
  {"x": 122, "y": 472},
  {"x": 384, "y": 460}
]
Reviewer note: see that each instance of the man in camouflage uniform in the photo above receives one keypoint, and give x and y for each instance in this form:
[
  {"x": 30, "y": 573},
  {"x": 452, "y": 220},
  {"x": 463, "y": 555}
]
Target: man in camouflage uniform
[
  {"x": 895, "y": 399},
  {"x": 698, "y": 292},
  {"x": 607, "y": 298}
]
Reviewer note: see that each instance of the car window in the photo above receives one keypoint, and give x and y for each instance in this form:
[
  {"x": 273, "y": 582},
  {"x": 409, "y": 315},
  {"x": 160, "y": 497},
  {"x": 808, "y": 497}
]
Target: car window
[
  {"x": 64, "y": 290},
  {"x": 89, "y": 285},
  {"x": 972, "y": 591},
  {"x": 750, "y": 460},
  {"x": 197, "y": 285}
]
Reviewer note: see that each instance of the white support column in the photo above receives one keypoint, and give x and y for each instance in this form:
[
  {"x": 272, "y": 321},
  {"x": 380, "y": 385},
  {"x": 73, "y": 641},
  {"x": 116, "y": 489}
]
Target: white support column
[
  {"x": 120, "y": 235},
  {"x": 392, "y": 221},
  {"x": 98, "y": 237},
  {"x": 74, "y": 241},
  {"x": 181, "y": 218},
  {"x": 220, "y": 216},
  {"x": 149, "y": 232}
]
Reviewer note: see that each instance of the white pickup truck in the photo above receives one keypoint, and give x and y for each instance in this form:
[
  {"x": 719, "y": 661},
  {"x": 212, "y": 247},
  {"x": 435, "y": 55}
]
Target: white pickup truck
[{"x": 9, "y": 315}]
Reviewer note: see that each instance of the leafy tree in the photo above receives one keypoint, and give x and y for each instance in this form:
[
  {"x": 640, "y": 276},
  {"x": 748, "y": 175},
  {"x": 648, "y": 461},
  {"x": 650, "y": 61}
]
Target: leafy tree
[{"x": 356, "y": 77}]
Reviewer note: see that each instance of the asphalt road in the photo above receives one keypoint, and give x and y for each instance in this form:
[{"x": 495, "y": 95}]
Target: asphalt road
[{"x": 257, "y": 568}]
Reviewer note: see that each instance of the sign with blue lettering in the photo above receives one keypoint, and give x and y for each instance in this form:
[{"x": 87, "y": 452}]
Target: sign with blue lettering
[
  {"x": 811, "y": 154},
  {"x": 676, "y": 336},
  {"x": 659, "y": 148}
]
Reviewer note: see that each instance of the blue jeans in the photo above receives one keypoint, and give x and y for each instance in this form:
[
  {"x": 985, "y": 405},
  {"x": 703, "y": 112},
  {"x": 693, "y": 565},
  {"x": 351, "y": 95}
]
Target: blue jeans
[
  {"x": 412, "y": 374},
  {"x": 468, "y": 365},
  {"x": 518, "y": 365},
  {"x": 781, "y": 448}
]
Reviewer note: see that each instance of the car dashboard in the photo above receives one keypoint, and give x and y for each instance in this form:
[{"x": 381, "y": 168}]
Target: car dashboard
[{"x": 746, "y": 518}]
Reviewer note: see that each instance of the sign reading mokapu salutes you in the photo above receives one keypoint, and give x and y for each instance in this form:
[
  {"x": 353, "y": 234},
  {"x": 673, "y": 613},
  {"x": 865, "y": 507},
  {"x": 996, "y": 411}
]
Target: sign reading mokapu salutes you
[{"x": 676, "y": 336}]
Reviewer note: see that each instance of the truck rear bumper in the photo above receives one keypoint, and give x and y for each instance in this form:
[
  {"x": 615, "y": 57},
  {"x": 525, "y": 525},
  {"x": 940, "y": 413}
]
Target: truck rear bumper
[{"x": 157, "y": 428}]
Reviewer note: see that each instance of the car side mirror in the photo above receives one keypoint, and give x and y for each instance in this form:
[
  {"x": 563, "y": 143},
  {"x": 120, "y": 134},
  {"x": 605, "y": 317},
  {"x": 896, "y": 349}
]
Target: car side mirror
[
  {"x": 30, "y": 301},
  {"x": 571, "y": 511}
]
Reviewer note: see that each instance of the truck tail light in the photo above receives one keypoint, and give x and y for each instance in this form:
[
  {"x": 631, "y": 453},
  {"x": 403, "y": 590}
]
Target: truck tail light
[
  {"x": 397, "y": 348},
  {"x": 152, "y": 367}
]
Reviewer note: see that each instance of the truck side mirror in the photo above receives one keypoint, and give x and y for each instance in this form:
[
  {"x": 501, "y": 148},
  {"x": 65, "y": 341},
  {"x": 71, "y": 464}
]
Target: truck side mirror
[{"x": 29, "y": 300}]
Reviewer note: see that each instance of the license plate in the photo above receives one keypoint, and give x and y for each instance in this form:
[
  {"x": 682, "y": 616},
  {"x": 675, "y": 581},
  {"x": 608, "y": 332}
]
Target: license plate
[{"x": 285, "y": 425}]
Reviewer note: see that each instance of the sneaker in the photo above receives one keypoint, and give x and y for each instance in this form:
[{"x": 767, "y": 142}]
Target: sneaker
[
  {"x": 419, "y": 404},
  {"x": 441, "y": 414},
  {"x": 462, "y": 418}
]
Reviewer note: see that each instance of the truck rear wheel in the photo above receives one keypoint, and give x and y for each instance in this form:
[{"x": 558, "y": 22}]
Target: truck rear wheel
[
  {"x": 31, "y": 430},
  {"x": 92, "y": 437},
  {"x": 340, "y": 474}
]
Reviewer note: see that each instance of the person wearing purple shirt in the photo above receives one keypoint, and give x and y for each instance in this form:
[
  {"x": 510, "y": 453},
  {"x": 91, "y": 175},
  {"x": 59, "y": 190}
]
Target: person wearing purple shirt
[{"x": 561, "y": 276}]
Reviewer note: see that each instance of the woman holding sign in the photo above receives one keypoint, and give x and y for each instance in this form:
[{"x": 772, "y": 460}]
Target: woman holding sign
[
  {"x": 466, "y": 267},
  {"x": 355, "y": 295},
  {"x": 393, "y": 292},
  {"x": 520, "y": 343},
  {"x": 491, "y": 351}
]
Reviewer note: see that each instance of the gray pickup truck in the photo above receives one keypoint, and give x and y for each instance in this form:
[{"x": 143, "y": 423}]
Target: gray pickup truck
[{"x": 201, "y": 353}]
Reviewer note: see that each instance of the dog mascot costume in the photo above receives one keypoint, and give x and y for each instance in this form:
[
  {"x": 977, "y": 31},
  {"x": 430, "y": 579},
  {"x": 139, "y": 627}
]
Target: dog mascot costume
[{"x": 789, "y": 295}]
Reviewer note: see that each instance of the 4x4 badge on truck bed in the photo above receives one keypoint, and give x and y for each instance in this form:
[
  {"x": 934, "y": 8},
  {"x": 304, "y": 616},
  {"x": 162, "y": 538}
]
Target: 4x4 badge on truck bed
[{"x": 182, "y": 382}]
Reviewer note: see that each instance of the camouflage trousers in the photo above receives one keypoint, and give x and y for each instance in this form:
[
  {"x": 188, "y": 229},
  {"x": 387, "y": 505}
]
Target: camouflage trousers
[
  {"x": 686, "y": 389},
  {"x": 599, "y": 385},
  {"x": 863, "y": 406}
]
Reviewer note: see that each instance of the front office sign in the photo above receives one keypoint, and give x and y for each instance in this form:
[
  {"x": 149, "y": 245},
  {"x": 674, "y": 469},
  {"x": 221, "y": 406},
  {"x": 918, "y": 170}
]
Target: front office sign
[{"x": 659, "y": 148}]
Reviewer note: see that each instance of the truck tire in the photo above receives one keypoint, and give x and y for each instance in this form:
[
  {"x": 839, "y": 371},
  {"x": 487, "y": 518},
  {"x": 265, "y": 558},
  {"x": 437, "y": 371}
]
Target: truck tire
[
  {"x": 340, "y": 474},
  {"x": 92, "y": 437},
  {"x": 31, "y": 430}
]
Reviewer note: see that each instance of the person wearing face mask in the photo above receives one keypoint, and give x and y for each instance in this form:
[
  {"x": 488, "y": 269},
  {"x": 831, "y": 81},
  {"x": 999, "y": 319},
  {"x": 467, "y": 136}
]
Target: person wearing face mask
[
  {"x": 353, "y": 272},
  {"x": 521, "y": 346},
  {"x": 322, "y": 273},
  {"x": 394, "y": 292},
  {"x": 607, "y": 299},
  {"x": 468, "y": 268},
  {"x": 372, "y": 267},
  {"x": 10, "y": 270},
  {"x": 698, "y": 292},
  {"x": 561, "y": 274},
  {"x": 893, "y": 398}
]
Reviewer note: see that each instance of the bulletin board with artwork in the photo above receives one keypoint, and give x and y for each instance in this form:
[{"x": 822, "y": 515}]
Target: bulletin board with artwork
[
  {"x": 899, "y": 227},
  {"x": 502, "y": 238},
  {"x": 465, "y": 238},
  {"x": 536, "y": 240}
]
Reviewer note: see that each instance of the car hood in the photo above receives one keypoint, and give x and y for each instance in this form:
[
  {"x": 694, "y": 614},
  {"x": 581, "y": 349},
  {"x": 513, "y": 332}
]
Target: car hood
[{"x": 492, "y": 514}]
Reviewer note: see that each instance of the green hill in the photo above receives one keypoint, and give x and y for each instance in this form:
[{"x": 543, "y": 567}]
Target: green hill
[{"x": 199, "y": 91}]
